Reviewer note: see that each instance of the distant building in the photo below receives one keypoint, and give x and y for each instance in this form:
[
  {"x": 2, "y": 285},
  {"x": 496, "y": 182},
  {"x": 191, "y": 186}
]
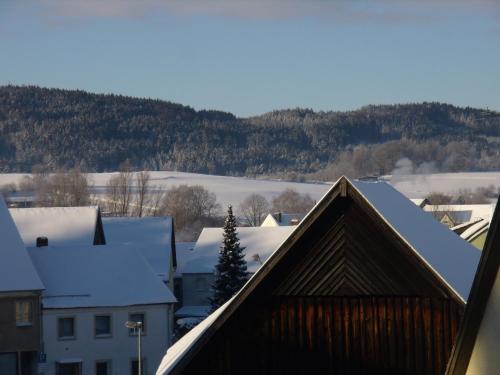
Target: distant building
[
  {"x": 196, "y": 275},
  {"x": 476, "y": 349},
  {"x": 452, "y": 215},
  {"x": 62, "y": 226},
  {"x": 153, "y": 237},
  {"x": 20, "y": 291},
  {"x": 355, "y": 288},
  {"x": 280, "y": 219},
  {"x": 90, "y": 292}
]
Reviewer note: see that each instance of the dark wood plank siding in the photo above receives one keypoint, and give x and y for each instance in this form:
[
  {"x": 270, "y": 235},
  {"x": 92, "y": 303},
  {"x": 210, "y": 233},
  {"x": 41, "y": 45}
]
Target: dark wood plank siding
[{"x": 335, "y": 335}]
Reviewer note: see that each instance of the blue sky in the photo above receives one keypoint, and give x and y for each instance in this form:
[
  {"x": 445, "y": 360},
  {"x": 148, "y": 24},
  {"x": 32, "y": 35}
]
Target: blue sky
[{"x": 250, "y": 57}]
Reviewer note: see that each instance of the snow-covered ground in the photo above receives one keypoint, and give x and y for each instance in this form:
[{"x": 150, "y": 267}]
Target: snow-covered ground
[{"x": 232, "y": 190}]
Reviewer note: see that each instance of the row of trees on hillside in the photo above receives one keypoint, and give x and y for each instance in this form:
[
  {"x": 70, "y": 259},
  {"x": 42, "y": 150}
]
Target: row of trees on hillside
[{"x": 66, "y": 129}]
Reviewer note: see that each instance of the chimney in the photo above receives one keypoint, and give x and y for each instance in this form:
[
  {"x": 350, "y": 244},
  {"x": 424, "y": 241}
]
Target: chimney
[{"x": 42, "y": 241}]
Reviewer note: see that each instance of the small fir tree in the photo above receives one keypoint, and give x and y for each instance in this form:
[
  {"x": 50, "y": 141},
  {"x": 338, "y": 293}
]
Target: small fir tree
[{"x": 231, "y": 271}]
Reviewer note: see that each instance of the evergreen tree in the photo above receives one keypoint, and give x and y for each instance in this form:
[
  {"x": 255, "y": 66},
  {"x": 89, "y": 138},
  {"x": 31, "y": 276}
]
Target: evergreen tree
[{"x": 231, "y": 271}]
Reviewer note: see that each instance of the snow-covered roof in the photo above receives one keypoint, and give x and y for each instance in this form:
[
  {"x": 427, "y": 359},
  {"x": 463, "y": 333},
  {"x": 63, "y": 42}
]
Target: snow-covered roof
[
  {"x": 192, "y": 311},
  {"x": 152, "y": 236},
  {"x": 259, "y": 243},
  {"x": 92, "y": 276},
  {"x": 461, "y": 213},
  {"x": 184, "y": 252},
  {"x": 451, "y": 258},
  {"x": 176, "y": 351},
  {"x": 61, "y": 225},
  {"x": 420, "y": 202},
  {"x": 16, "y": 269},
  {"x": 475, "y": 230},
  {"x": 282, "y": 219}
]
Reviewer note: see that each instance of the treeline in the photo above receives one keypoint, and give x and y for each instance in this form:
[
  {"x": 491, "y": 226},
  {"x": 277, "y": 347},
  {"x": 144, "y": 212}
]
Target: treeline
[
  {"x": 409, "y": 157},
  {"x": 74, "y": 129}
]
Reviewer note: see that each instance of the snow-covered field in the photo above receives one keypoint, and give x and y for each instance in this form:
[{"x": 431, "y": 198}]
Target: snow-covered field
[{"x": 232, "y": 190}]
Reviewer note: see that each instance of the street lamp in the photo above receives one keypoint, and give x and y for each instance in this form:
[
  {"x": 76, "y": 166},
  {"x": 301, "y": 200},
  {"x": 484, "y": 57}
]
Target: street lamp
[{"x": 138, "y": 326}]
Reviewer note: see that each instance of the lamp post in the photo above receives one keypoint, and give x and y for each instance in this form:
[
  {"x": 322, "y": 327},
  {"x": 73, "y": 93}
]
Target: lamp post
[{"x": 137, "y": 325}]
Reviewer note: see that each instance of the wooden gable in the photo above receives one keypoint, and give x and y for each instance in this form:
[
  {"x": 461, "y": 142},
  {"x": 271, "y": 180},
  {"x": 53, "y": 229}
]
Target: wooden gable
[{"x": 344, "y": 294}]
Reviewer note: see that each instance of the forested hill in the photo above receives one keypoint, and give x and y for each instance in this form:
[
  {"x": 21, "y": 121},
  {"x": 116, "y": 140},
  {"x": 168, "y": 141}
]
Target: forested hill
[{"x": 64, "y": 129}]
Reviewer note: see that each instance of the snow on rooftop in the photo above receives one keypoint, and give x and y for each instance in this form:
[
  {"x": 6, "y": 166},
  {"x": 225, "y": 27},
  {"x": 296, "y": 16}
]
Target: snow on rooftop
[
  {"x": 282, "y": 219},
  {"x": 259, "y": 243},
  {"x": 463, "y": 212},
  {"x": 475, "y": 230},
  {"x": 152, "y": 236},
  {"x": 176, "y": 351},
  {"x": 192, "y": 311},
  {"x": 61, "y": 225},
  {"x": 92, "y": 276},
  {"x": 16, "y": 269},
  {"x": 451, "y": 257},
  {"x": 184, "y": 252}
]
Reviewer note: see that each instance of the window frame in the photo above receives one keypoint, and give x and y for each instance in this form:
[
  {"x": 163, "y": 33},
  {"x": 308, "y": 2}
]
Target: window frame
[
  {"x": 132, "y": 331},
  {"x": 108, "y": 363},
  {"x": 30, "y": 312},
  {"x": 143, "y": 363},
  {"x": 103, "y": 335},
  {"x": 66, "y": 338}
]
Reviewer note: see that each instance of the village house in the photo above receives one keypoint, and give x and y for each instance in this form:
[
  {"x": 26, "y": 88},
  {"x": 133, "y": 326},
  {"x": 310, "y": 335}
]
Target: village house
[
  {"x": 20, "y": 304},
  {"x": 196, "y": 276},
  {"x": 452, "y": 215},
  {"x": 153, "y": 237},
  {"x": 476, "y": 348},
  {"x": 90, "y": 293},
  {"x": 366, "y": 283},
  {"x": 60, "y": 226}
]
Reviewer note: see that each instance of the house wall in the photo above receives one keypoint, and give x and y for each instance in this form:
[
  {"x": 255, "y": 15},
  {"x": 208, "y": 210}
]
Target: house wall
[
  {"x": 120, "y": 348},
  {"x": 197, "y": 288},
  {"x": 479, "y": 241},
  {"x": 12, "y": 337},
  {"x": 269, "y": 221},
  {"x": 485, "y": 358}
]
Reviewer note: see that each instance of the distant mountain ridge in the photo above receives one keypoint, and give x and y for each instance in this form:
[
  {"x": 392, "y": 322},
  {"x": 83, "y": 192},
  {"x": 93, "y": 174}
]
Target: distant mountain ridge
[{"x": 97, "y": 132}]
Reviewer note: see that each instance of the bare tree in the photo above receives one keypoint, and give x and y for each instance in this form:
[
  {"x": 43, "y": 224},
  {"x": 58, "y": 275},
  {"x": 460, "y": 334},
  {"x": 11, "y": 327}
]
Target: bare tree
[
  {"x": 119, "y": 193},
  {"x": 291, "y": 201},
  {"x": 62, "y": 189},
  {"x": 142, "y": 183},
  {"x": 254, "y": 208},
  {"x": 155, "y": 200},
  {"x": 190, "y": 206}
]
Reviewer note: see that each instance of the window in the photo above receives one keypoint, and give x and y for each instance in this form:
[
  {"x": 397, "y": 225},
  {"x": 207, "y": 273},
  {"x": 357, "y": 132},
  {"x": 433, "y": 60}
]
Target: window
[
  {"x": 66, "y": 328},
  {"x": 137, "y": 317},
  {"x": 8, "y": 363},
  {"x": 69, "y": 369},
  {"x": 134, "y": 366},
  {"x": 24, "y": 313},
  {"x": 102, "y": 325},
  {"x": 102, "y": 368},
  {"x": 200, "y": 284}
]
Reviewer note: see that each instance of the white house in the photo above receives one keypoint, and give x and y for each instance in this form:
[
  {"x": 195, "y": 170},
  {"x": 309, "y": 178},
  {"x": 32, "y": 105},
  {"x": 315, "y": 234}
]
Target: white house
[
  {"x": 62, "y": 226},
  {"x": 153, "y": 237},
  {"x": 90, "y": 292},
  {"x": 197, "y": 272},
  {"x": 280, "y": 219}
]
